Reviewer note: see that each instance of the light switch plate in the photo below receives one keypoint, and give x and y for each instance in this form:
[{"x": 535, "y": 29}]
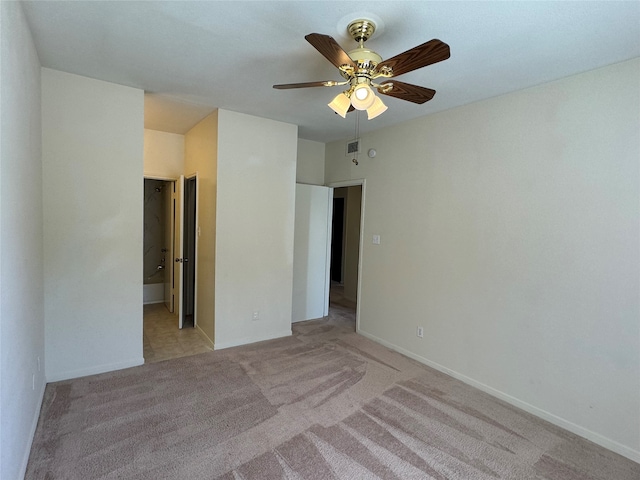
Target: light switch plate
[{"x": 376, "y": 239}]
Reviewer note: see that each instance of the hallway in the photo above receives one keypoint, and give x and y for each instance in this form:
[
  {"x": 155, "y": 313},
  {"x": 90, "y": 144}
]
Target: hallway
[
  {"x": 163, "y": 339},
  {"x": 341, "y": 310}
]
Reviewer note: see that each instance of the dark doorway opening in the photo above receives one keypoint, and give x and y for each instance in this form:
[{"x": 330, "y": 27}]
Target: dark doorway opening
[
  {"x": 189, "y": 273},
  {"x": 337, "y": 239}
]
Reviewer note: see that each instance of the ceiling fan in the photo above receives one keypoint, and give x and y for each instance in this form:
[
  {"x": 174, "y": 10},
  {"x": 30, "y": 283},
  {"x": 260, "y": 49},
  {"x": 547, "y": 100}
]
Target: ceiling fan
[{"x": 361, "y": 67}]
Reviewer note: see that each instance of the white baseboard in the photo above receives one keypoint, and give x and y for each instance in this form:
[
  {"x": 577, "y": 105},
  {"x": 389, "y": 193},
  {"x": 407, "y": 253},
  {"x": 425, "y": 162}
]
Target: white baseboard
[
  {"x": 248, "y": 340},
  {"x": 83, "y": 372},
  {"x": 32, "y": 433},
  {"x": 306, "y": 320},
  {"x": 538, "y": 412}
]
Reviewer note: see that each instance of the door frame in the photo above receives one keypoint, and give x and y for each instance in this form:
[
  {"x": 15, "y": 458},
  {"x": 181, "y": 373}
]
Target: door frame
[
  {"x": 169, "y": 257},
  {"x": 173, "y": 226},
  {"x": 353, "y": 183}
]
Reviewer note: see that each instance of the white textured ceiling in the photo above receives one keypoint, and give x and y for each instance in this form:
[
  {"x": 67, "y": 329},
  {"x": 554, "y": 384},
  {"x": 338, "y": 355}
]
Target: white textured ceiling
[{"x": 193, "y": 57}]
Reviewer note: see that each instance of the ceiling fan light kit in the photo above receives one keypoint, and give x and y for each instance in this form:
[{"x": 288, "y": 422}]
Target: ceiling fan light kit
[
  {"x": 376, "y": 109},
  {"x": 341, "y": 104},
  {"x": 362, "y": 97},
  {"x": 361, "y": 66}
]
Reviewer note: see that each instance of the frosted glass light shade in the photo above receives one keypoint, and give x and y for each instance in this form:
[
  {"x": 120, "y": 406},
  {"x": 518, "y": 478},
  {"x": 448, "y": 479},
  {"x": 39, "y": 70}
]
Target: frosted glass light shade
[
  {"x": 376, "y": 109},
  {"x": 362, "y": 97},
  {"x": 340, "y": 104}
]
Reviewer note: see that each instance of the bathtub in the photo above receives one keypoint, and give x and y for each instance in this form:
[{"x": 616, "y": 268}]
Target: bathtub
[{"x": 153, "y": 292}]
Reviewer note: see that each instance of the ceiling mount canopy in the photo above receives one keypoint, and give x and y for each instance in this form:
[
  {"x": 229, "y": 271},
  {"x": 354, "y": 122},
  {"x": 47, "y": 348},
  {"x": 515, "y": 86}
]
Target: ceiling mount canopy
[
  {"x": 361, "y": 66},
  {"x": 361, "y": 29}
]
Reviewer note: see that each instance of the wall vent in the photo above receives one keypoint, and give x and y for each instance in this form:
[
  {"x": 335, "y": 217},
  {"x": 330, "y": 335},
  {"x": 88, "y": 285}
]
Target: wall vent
[{"x": 353, "y": 147}]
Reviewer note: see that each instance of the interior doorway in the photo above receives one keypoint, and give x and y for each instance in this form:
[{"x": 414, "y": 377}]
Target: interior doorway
[
  {"x": 327, "y": 251},
  {"x": 346, "y": 241},
  {"x": 157, "y": 242},
  {"x": 170, "y": 246},
  {"x": 337, "y": 239},
  {"x": 189, "y": 252}
]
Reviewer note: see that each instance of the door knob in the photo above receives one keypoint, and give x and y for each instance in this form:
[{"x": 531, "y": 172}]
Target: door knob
[{"x": 178, "y": 260}]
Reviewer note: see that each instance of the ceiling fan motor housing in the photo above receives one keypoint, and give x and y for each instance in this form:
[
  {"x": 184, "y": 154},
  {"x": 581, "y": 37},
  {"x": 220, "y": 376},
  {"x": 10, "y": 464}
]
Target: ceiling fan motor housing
[{"x": 365, "y": 58}]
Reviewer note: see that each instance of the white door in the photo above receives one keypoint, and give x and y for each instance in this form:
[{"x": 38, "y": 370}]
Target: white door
[
  {"x": 178, "y": 225},
  {"x": 311, "y": 252}
]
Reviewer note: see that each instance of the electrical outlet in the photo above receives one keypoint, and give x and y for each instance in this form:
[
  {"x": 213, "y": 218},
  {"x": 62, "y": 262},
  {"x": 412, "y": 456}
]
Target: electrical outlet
[
  {"x": 420, "y": 332},
  {"x": 256, "y": 315}
]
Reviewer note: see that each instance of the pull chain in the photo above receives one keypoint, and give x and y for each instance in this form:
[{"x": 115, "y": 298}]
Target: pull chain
[{"x": 357, "y": 137}]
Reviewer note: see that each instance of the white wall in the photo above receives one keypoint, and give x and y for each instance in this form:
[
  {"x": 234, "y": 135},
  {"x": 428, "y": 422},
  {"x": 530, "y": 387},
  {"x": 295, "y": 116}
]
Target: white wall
[
  {"x": 163, "y": 154},
  {"x": 201, "y": 154},
  {"x": 92, "y": 143},
  {"x": 21, "y": 258},
  {"x": 310, "y": 162},
  {"x": 510, "y": 231},
  {"x": 254, "y": 225}
]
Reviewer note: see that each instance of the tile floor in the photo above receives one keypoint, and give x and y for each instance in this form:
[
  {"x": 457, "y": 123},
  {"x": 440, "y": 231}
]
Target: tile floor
[{"x": 164, "y": 340}]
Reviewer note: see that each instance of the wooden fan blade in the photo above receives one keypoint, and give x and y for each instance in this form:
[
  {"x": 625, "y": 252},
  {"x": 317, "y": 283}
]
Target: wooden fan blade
[
  {"x": 407, "y": 91},
  {"x": 284, "y": 86},
  {"x": 433, "y": 51},
  {"x": 328, "y": 47}
]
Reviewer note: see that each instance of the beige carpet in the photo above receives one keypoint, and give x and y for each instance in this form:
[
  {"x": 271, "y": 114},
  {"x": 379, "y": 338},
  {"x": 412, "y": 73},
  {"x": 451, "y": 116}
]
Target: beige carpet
[{"x": 325, "y": 403}]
